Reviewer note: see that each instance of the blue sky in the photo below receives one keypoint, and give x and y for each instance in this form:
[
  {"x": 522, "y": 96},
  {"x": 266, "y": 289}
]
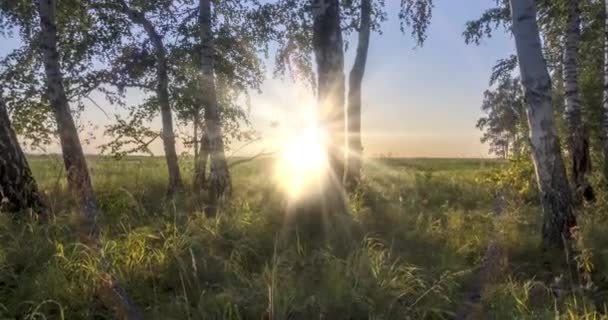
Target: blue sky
[{"x": 417, "y": 102}]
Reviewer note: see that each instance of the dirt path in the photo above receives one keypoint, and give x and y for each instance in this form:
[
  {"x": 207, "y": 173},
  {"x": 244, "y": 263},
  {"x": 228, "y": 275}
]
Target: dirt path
[{"x": 490, "y": 269}]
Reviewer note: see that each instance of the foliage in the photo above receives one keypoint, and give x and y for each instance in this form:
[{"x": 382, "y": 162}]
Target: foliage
[
  {"x": 82, "y": 35},
  {"x": 242, "y": 31},
  {"x": 491, "y": 19},
  {"x": 552, "y": 21},
  {"x": 132, "y": 133},
  {"x": 516, "y": 179},
  {"x": 101, "y": 50},
  {"x": 418, "y": 229},
  {"x": 504, "y": 126},
  {"x": 294, "y": 30},
  {"x": 416, "y": 14}
]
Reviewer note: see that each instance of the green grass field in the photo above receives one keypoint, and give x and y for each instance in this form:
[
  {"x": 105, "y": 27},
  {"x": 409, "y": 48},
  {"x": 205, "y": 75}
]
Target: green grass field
[{"x": 418, "y": 232}]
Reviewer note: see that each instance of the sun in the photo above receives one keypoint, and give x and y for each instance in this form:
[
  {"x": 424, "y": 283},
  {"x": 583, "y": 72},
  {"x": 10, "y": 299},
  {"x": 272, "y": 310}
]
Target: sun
[{"x": 302, "y": 162}]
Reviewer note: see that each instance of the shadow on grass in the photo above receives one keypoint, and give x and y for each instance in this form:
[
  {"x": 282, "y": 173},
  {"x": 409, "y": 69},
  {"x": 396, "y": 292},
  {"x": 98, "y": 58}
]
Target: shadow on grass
[{"x": 413, "y": 240}]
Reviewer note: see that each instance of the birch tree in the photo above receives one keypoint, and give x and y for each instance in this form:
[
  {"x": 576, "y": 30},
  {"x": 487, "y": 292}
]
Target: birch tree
[
  {"x": 241, "y": 31},
  {"x": 328, "y": 49},
  {"x": 83, "y": 38},
  {"x": 297, "y": 45},
  {"x": 555, "y": 193},
  {"x": 162, "y": 93},
  {"x": 201, "y": 157},
  {"x": 578, "y": 139},
  {"x": 73, "y": 156},
  {"x": 504, "y": 127},
  {"x": 605, "y": 92},
  {"x": 79, "y": 180},
  {"x": 18, "y": 188},
  {"x": 353, "y": 110},
  {"x": 219, "y": 183}
]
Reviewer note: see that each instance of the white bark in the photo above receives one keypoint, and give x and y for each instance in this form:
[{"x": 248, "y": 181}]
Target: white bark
[
  {"x": 578, "y": 140},
  {"x": 75, "y": 163},
  {"x": 556, "y": 197},
  {"x": 162, "y": 93},
  {"x": 219, "y": 176},
  {"x": 570, "y": 69}
]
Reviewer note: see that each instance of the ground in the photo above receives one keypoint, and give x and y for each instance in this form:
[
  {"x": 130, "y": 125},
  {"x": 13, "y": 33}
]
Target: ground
[{"x": 410, "y": 248}]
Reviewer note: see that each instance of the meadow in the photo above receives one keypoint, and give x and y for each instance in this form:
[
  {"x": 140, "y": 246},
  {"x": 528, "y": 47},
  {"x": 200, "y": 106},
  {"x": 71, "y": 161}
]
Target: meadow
[{"x": 412, "y": 247}]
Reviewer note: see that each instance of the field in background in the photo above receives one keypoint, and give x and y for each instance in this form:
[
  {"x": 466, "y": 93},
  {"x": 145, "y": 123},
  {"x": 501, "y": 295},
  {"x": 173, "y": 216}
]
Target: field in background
[{"x": 412, "y": 249}]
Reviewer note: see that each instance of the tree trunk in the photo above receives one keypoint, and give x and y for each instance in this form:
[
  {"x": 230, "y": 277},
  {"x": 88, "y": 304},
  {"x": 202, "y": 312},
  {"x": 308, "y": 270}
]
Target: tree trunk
[
  {"x": 219, "y": 176},
  {"x": 74, "y": 160},
  {"x": 605, "y": 102},
  {"x": 555, "y": 194},
  {"x": 200, "y": 177},
  {"x": 18, "y": 189},
  {"x": 329, "y": 56},
  {"x": 578, "y": 138},
  {"x": 195, "y": 143},
  {"x": 75, "y": 163},
  {"x": 353, "y": 111},
  {"x": 162, "y": 93}
]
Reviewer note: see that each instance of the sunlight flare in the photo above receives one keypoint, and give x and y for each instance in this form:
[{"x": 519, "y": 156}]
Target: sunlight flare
[{"x": 302, "y": 162}]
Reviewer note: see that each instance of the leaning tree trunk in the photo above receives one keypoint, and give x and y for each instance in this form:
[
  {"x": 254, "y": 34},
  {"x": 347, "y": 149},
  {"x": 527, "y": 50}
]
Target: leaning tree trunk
[
  {"x": 18, "y": 189},
  {"x": 329, "y": 56},
  {"x": 219, "y": 183},
  {"x": 162, "y": 93},
  {"x": 75, "y": 163},
  {"x": 578, "y": 138},
  {"x": 605, "y": 102},
  {"x": 555, "y": 194},
  {"x": 353, "y": 111}
]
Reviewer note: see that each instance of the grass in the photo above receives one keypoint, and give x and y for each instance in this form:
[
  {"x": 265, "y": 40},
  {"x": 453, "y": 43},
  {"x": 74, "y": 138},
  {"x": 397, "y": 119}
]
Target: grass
[{"x": 417, "y": 233}]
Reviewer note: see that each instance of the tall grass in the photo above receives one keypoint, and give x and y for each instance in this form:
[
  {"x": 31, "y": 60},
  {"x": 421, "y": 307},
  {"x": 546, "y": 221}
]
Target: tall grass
[{"x": 418, "y": 233}]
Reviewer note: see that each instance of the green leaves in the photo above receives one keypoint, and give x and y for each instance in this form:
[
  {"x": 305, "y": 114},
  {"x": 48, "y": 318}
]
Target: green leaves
[
  {"x": 490, "y": 20},
  {"x": 504, "y": 126},
  {"x": 416, "y": 14},
  {"x": 84, "y": 37}
]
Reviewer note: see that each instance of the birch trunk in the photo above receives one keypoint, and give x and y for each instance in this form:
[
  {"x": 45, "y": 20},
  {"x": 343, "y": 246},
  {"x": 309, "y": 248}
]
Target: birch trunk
[
  {"x": 555, "y": 194},
  {"x": 219, "y": 183},
  {"x": 200, "y": 172},
  {"x": 79, "y": 180},
  {"x": 74, "y": 160},
  {"x": 162, "y": 93},
  {"x": 578, "y": 139},
  {"x": 329, "y": 56},
  {"x": 196, "y": 122},
  {"x": 200, "y": 163},
  {"x": 353, "y": 111},
  {"x": 605, "y": 102},
  {"x": 18, "y": 189}
]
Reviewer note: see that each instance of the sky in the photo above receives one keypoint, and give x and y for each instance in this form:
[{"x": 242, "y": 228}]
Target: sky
[{"x": 417, "y": 101}]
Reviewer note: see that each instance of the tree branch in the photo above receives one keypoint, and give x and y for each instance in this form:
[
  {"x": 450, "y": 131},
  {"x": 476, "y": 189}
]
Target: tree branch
[
  {"x": 98, "y": 106},
  {"x": 249, "y": 159}
]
